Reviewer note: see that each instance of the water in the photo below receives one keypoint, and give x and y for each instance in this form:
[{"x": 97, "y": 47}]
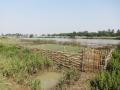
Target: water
[
  {"x": 86, "y": 41},
  {"x": 49, "y": 79}
]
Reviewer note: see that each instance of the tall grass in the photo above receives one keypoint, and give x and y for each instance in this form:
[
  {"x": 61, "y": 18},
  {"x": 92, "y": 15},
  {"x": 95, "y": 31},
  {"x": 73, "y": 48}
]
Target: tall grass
[
  {"x": 19, "y": 63},
  {"x": 109, "y": 79}
]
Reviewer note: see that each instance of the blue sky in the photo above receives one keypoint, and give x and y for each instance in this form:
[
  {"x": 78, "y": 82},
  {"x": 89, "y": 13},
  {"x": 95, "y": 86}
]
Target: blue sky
[{"x": 56, "y": 16}]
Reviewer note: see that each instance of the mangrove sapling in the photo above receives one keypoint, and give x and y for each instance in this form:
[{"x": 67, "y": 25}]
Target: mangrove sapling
[
  {"x": 61, "y": 84},
  {"x": 48, "y": 63},
  {"x": 35, "y": 84},
  {"x": 71, "y": 75},
  {"x": 60, "y": 66}
]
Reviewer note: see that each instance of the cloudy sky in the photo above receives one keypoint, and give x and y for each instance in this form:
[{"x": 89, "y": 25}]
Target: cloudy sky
[{"x": 56, "y": 16}]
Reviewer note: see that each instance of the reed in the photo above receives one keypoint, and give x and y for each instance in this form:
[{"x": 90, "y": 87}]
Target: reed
[{"x": 19, "y": 63}]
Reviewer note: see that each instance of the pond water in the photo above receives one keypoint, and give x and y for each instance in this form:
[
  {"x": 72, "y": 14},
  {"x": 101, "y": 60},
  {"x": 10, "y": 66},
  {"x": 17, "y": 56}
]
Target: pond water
[
  {"x": 49, "y": 79},
  {"x": 86, "y": 41}
]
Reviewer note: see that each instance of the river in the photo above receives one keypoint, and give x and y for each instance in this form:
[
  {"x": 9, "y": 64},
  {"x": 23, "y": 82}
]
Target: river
[{"x": 84, "y": 41}]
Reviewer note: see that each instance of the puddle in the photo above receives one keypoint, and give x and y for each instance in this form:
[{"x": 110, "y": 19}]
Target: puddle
[{"x": 49, "y": 79}]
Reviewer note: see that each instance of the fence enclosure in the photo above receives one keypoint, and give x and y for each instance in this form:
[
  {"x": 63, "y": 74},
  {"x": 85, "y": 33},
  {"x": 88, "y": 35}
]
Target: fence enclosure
[{"x": 89, "y": 59}]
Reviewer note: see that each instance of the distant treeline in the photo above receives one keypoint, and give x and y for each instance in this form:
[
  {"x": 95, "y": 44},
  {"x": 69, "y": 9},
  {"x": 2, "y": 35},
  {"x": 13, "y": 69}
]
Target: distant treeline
[
  {"x": 104, "y": 33},
  {"x": 108, "y": 33},
  {"x": 18, "y": 35}
]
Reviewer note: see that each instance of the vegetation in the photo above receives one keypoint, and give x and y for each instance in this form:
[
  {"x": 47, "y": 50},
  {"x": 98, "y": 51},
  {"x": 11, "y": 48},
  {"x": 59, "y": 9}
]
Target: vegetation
[
  {"x": 19, "y": 64},
  {"x": 103, "y": 33},
  {"x": 70, "y": 76},
  {"x": 56, "y": 47},
  {"x": 35, "y": 84},
  {"x": 71, "y": 47},
  {"x": 109, "y": 32},
  {"x": 109, "y": 79},
  {"x": 6, "y": 40},
  {"x": 31, "y": 36}
]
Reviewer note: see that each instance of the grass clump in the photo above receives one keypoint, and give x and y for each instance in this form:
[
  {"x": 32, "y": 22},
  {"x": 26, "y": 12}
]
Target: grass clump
[
  {"x": 35, "y": 84},
  {"x": 71, "y": 74},
  {"x": 69, "y": 77}
]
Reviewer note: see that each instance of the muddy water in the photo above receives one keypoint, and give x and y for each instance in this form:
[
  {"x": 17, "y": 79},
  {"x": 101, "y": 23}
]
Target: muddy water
[{"x": 49, "y": 79}]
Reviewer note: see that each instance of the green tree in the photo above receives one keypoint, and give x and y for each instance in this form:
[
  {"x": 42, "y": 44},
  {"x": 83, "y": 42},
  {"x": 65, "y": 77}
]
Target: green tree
[
  {"x": 31, "y": 36},
  {"x": 118, "y": 32}
]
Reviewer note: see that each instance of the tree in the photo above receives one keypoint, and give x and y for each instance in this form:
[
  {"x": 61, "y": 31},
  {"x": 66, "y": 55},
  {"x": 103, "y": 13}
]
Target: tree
[
  {"x": 118, "y": 32},
  {"x": 72, "y": 35},
  {"x": 31, "y": 36}
]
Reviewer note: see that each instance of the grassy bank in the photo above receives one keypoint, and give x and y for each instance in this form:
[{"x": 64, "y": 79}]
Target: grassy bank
[
  {"x": 19, "y": 64},
  {"x": 110, "y": 78},
  {"x": 23, "y": 69},
  {"x": 69, "y": 47},
  {"x": 57, "y": 47}
]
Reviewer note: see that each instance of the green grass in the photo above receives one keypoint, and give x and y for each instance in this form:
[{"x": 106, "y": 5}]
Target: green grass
[
  {"x": 19, "y": 63},
  {"x": 8, "y": 40},
  {"x": 35, "y": 84},
  {"x": 57, "y": 47}
]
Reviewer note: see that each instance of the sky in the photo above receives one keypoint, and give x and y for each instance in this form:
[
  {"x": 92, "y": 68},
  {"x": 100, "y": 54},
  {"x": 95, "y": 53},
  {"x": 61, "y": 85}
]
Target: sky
[{"x": 58, "y": 16}]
